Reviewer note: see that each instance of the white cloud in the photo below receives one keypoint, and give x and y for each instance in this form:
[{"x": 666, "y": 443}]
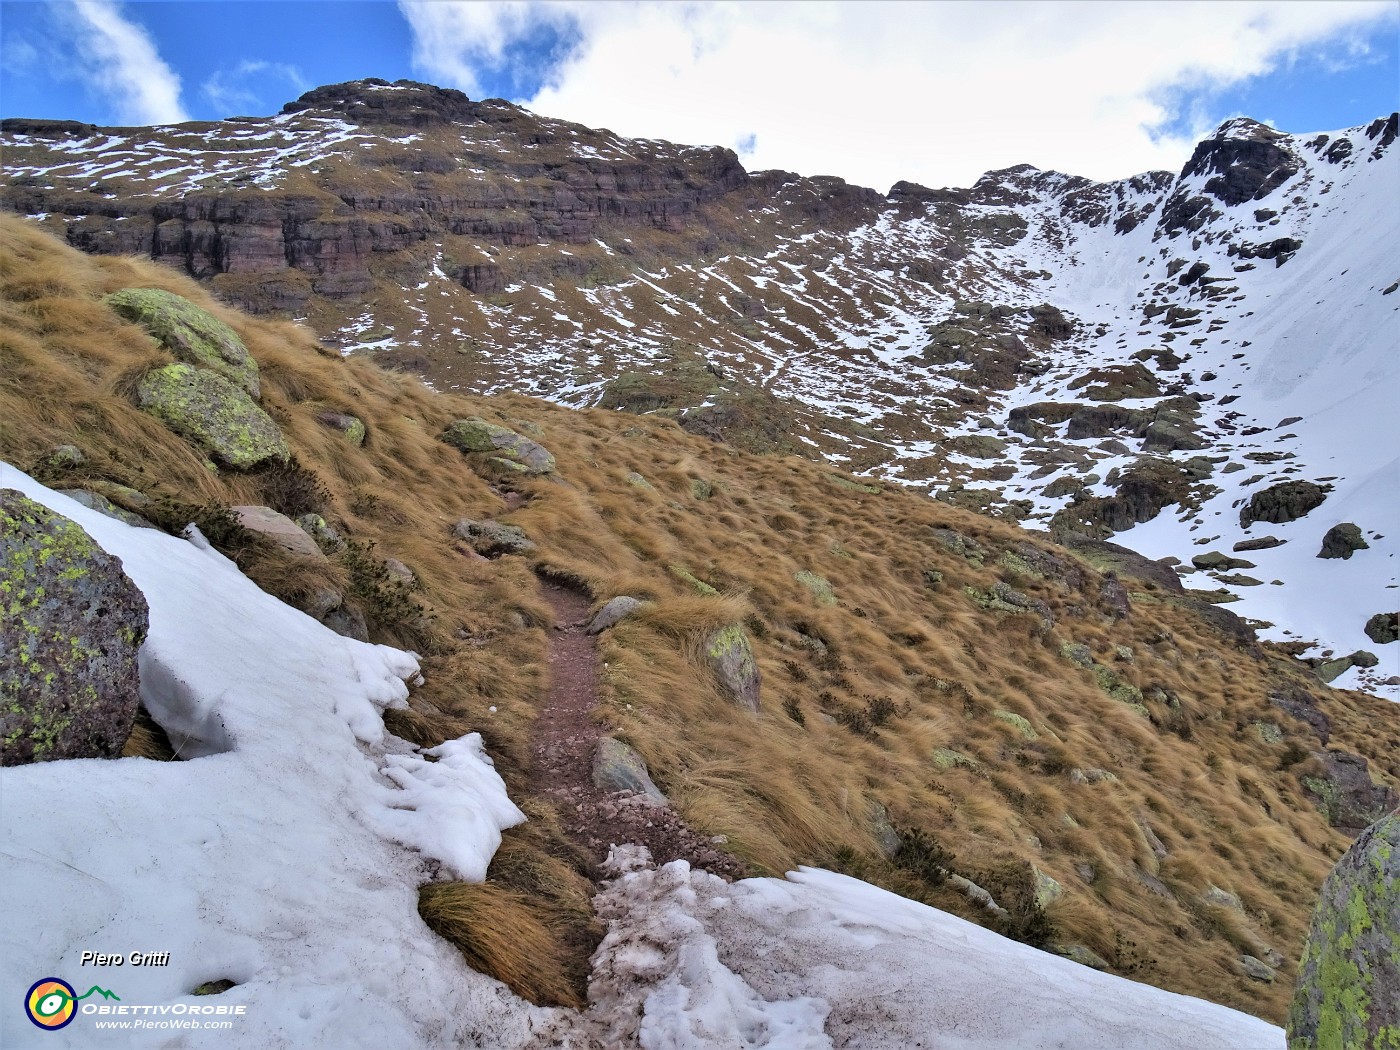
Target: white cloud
[
  {"x": 241, "y": 88},
  {"x": 118, "y": 61},
  {"x": 876, "y": 92}
]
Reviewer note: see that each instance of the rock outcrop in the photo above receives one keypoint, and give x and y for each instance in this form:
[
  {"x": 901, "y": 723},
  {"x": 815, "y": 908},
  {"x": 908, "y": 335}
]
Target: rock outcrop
[
  {"x": 1342, "y": 541},
  {"x": 474, "y": 434},
  {"x": 72, "y": 625},
  {"x": 1284, "y": 502},
  {"x": 1348, "y": 992}
]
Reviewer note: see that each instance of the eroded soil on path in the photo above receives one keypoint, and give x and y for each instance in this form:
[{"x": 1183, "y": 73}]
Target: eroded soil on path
[{"x": 566, "y": 737}]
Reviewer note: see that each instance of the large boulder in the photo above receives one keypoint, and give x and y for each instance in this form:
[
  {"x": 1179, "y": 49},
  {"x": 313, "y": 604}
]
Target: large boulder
[
  {"x": 474, "y": 434},
  {"x": 1383, "y": 628},
  {"x": 72, "y": 625},
  {"x": 278, "y": 529},
  {"x": 213, "y": 412},
  {"x": 1287, "y": 501},
  {"x": 1348, "y": 991},
  {"x": 1342, "y": 541},
  {"x": 731, "y": 658},
  {"x": 192, "y": 334}
]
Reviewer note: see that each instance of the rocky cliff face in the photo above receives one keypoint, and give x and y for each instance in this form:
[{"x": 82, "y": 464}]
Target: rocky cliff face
[{"x": 1142, "y": 356}]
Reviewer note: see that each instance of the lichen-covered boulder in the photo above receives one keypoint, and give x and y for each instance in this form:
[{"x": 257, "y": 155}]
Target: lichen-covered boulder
[
  {"x": 1345, "y": 792},
  {"x": 1348, "y": 991},
  {"x": 192, "y": 334},
  {"x": 474, "y": 434},
  {"x": 278, "y": 529},
  {"x": 613, "y": 612},
  {"x": 352, "y": 427},
  {"x": 731, "y": 658},
  {"x": 71, "y": 626},
  {"x": 213, "y": 412},
  {"x": 820, "y": 586},
  {"x": 325, "y": 535},
  {"x": 492, "y": 537},
  {"x": 618, "y": 767},
  {"x": 1342, "y": 541}
]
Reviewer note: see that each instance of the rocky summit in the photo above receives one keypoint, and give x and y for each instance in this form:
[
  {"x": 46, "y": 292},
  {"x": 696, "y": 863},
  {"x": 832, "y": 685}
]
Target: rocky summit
[{"x": 1188, "y": 359}]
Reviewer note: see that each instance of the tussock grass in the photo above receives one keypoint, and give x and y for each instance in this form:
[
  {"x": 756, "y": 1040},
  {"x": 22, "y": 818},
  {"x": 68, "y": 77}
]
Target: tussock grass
[{"x": 897, "y": 685}]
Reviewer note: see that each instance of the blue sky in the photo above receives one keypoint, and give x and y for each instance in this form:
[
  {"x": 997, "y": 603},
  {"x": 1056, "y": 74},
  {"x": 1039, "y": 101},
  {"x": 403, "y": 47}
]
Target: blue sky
[{"x": 874, "y": 92}]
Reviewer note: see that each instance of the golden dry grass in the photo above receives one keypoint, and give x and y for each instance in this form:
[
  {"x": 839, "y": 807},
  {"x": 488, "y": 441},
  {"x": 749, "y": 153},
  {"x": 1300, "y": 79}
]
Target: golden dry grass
[{"x": 862, "y": 700}]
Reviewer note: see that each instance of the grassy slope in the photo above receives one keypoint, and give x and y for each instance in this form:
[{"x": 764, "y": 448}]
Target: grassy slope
[{"x": 796, "y": 784}]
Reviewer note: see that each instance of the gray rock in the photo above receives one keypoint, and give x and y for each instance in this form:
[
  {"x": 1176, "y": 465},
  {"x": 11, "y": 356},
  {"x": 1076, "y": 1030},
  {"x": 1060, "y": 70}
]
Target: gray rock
[
  {"x": 100, "y": 503},
  {"x": 69, "y": 638},
  {"x": 1383, "y": 628},
  {"x": 1257, "y": 969},
  {"x": 1287, "y": 501},
  {"x": 349, "y": 621},
  {"x": 475, "y": 434},
  {"x": 213, "y": 412},
  {"x": 730, "y": 656},
  {"x": 1342, "y": 541},
  {"x": 1348, "y": 991},
  {"x": 64, "y": 457},
  {"x": 618, "y": 767},
  {"x": 1261, "y": 544},
  {"x": 975, "y": 893},
  {"x": 1221, "y": 898},
  {"x": 1214, "y": 560},
  {"x": 326, "y": 537},
  {"x": 492, "y": 537},
  {"x": 1346, "y": 793},
  {"x": 278, "y": 529},
  {"x": 613, "y": 612},
  {"x": 400, "y": 572},
  {"x": 883, "y": 830},
  {"x": 1082, "y": 955},
  {"x": 351, "y": 426}
]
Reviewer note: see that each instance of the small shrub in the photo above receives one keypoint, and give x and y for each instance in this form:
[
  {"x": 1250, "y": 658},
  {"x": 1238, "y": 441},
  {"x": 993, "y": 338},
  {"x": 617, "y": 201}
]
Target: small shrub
[
  {"x": 923, "y": 856},
  {"x": 291, "y": 489},
  {"x": 794, "y": 710}
]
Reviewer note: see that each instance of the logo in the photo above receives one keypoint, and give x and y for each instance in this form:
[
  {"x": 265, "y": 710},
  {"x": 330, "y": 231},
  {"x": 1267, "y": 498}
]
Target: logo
[{"x": 51, "y": 1003}]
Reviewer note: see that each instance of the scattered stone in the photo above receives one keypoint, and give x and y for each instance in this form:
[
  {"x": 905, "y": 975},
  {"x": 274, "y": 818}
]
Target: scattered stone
[
  {"x": 613, "y": 612},
  {"x": 618, "y": 767},
  {"x": 1222, "y": 899},
  {"x": 72, "y": 625},
  {"x": 731, "y": 658},
  {"x": 1346, "y": 793},
  {"x": 1077, "y": 653},
  {"x": 215, "y": 987},
  {"x": 1260, "y": 544},
  {"x": 214, "y": 413},
  {"x": 348, "y": 621},
  {"x": 400, "y": 573},
  {"x": 327, "y": 538},
  {"x": 1383, "y": 628},
  {"x": 945, "y": 758},
  {"x": 1257, "y": 969},
  {"x": 192, "y": 334},
  {"x": 1348, "y": 991},
  {"x": 62, "y": 458},
  {"x": 100, "y": 503},
  {"x": 1018, "y": 722},
  {"x": 633, "y": 478},
  {"x": 1287, "y": 501},
  {"x": 1303, "y": 707},
  {"x": 884, "y": 832},
  {"x": 1090, "y": 776},
  {"x": 1047, "y": 889},
  {"x": 1329, "y": 670},
  {"x": 820, "y": 586},
  {"x": 279, "y": 529},
  {"x": 352, "y": 427},
  {"x": 475, "y": 434},
  {"x": 492, "y": 537},
  {"x": 1342, "y": 541},
  {"x": 1214, "y": 560},
  {"x": 701, "y": 489},
  {"x": 974, "y": 893}
]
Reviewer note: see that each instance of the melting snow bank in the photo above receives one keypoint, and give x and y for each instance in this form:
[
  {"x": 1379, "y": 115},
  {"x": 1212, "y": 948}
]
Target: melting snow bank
[
  {"x": 824, "y": 960},
  {"x": 286, "y": 852},
  {"x": 275, "y": 858}
]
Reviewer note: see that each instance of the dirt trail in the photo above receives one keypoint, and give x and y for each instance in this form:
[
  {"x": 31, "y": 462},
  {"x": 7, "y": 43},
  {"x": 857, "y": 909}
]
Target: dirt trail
[{"x": 565, "y": 739}]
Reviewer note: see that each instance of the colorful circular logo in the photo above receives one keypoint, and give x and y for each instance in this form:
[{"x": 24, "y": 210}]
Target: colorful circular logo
[{"x": 50, "y": 1003}]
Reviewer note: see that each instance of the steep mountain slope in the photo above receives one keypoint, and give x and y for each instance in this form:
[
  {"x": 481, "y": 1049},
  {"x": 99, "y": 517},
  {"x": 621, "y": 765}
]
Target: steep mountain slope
[
  {"x": 943, "y": 698},
  {"x": 1144, "y": 355}
]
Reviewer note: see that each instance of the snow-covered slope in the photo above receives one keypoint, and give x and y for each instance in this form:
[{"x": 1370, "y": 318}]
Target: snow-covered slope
[{"x": 285, "y": 853}]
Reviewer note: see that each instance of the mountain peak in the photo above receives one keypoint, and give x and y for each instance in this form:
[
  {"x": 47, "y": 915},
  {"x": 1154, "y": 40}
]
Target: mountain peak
[{"x": 376, "y": 101}]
